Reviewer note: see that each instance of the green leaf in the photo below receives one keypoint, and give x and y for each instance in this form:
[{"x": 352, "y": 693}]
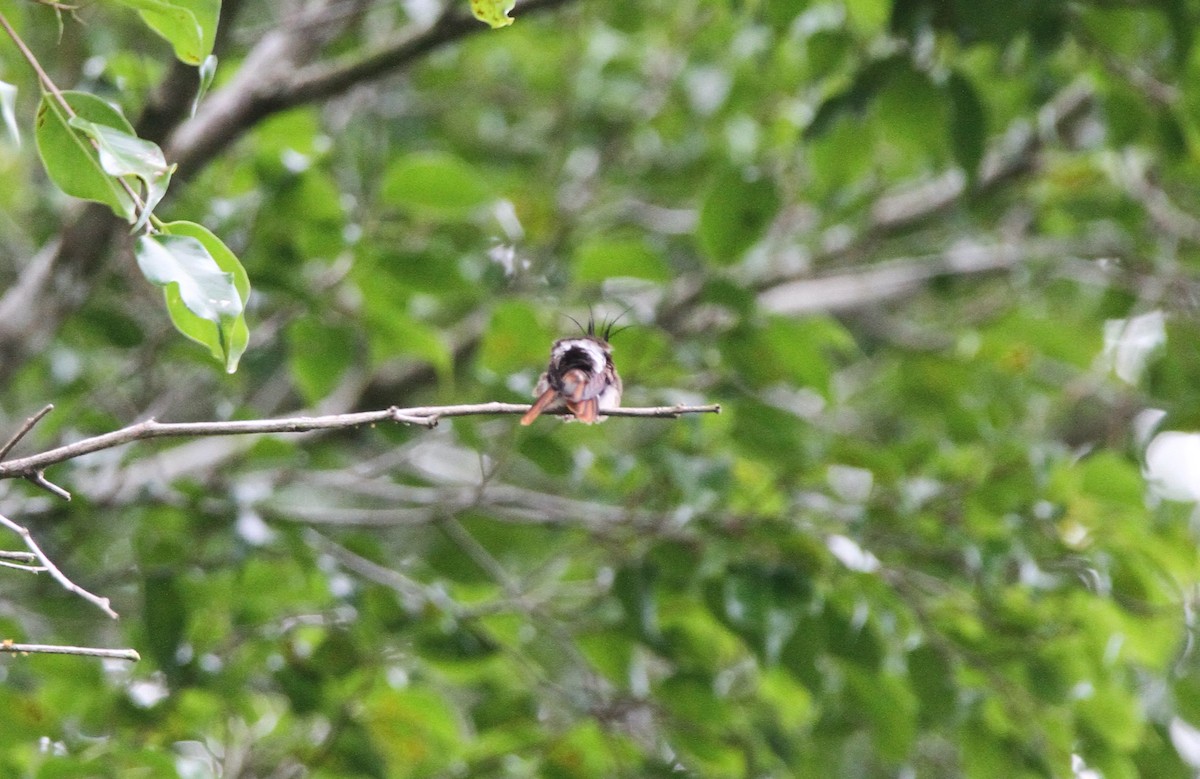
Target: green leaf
[
  {"x": 434, "y": 182},
  {"x": 493, "y": 12},
  {"x": 122, "y": 154},
  {"x": 70, "y": 159},
  {"x": 319, "y": 357},
  {"x": 8, "y": 99},
  {"x": 968, "y": 123},
  {"x": 164, "y": 616},
  {"x": 735, "y": 212},
  {"x": 602, "y": 259},
  {"x": 206, "y": 287},
  {"x": 190, "y": 26},
  {"x": 514, "y": 340},
  {"x": 394, "y": 333},
  {"x": 207, "y": 72}
]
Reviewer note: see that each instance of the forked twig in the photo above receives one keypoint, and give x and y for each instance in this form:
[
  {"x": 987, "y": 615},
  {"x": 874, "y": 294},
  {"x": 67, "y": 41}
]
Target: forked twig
[{"x": 59, "y": 576}]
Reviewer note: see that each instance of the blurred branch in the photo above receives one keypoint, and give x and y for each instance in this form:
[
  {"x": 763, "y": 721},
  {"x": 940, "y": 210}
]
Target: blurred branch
[
  {"x": 901, "y": 208},
  {"x": 896, "y": 278},
  {"x": 52, "y": 649},
  {"x": 1137, "y": 180},
  {"x": 320, "y": 81},
  {"x": 48, "y": 564},
  {"x": 279, "y": 74},
  {"x": 425, "y": 416},
  {"x": 1013, "y": 154}
]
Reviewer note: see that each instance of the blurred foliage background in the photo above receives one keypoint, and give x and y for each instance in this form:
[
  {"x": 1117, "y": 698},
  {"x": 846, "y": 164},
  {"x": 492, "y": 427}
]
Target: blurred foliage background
[{"x": 937, "y": 260}]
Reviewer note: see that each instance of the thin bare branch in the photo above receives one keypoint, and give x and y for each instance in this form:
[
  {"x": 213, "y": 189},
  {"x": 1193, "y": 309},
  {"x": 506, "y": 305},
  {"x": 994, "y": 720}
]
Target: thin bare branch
[
  {"x": 53, "y": 649},
  {"x": 21, "y": 561},
  {"x": 24, "y": 429},
  {"x": 426, "y": 416},
  {"x": 59, "y": 576}
]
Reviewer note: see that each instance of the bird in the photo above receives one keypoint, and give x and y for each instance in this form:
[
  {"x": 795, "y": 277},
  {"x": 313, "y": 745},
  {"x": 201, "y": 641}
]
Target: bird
[{"x": 581, "y": 375}]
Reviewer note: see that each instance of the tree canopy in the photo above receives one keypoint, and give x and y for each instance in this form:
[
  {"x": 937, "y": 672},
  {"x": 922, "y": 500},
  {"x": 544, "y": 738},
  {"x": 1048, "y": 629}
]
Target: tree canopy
[{"x": 936, "y": 261}]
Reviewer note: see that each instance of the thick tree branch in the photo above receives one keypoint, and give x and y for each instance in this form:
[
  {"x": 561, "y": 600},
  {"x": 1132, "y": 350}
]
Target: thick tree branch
[{"x": 426, "y": 416}]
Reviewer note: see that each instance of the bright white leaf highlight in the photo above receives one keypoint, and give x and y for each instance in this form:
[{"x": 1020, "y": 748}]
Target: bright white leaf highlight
[
  {"x": 8, "y": 99},
  {"x": 851, "y": 555},
  {"x": 1173, "y": 465},
  {"x": 122, "y": 154},
  {"x": 1129, "y": 343},
  {"x": 1186, "y": 739},
  {"x": 206, "y": 290}
]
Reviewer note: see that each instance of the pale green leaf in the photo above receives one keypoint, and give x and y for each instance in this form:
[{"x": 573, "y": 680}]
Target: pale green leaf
[
  {"x": 603, "y": 259},
  {"x": 493, "y": 12},
  {"x": 122, "y": 154},
  {"x": 434, "y": 182}
]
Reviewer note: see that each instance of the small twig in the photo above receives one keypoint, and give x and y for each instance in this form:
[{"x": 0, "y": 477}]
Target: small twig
[
  {"x": 24, "y": 429},
  {"x": 22, "y": 567},
  {"x": 59, "y": 576},
  {"x": 20, "y": 561},
  {"x": 426, "y": 416},
  {"x": 39, "y": 478},
  {"x": 52, "y": 649}
]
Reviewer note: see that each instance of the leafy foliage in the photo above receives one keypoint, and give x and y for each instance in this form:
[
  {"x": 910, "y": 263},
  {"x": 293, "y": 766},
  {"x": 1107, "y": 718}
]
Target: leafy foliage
[{"x": 936, "y": 260}]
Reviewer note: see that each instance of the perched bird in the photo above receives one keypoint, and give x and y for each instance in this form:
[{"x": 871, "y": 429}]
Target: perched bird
[{"x": 581, "y": 376}]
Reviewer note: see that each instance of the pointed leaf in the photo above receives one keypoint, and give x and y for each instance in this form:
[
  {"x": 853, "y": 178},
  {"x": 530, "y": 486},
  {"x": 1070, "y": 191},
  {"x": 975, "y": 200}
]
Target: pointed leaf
[
  {"x": 238, "y": 335},
  {"x": 71, "y": 160},
  {"x": 207, "y": 72},
  {"x": 122, "y": 154},
  {"x": 203, "y": 299}
]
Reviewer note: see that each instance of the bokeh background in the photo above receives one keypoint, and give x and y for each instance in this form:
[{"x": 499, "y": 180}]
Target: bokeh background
[{"x": 936, "y": 259}]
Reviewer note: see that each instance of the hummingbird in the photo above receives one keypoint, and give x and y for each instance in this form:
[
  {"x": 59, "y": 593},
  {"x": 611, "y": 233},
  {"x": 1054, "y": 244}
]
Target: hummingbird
[{"x": 581, "y": 376}]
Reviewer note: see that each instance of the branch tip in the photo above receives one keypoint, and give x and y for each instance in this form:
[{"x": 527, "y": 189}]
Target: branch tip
[
  {"x": 24, "y": 429},
  {"x": 39, "y": 478}
]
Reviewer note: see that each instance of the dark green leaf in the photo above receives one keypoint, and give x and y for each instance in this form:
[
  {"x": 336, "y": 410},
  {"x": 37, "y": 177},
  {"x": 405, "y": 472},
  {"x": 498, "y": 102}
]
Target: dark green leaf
[{"x": 736, "y": 211}]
